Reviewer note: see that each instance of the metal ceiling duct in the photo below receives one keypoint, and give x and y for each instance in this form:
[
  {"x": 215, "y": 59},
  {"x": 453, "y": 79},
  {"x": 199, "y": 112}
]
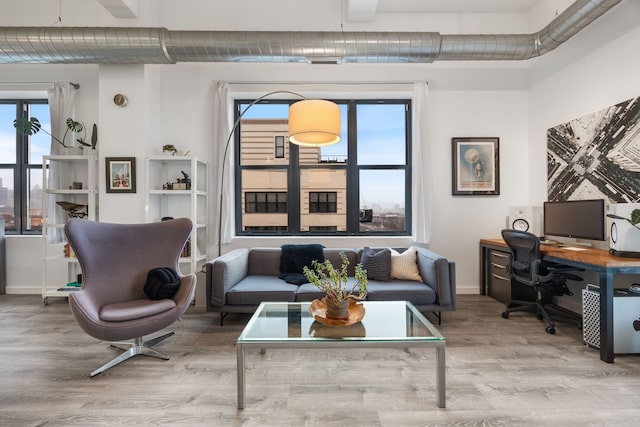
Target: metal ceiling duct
[{"x": 130, "y": 45}]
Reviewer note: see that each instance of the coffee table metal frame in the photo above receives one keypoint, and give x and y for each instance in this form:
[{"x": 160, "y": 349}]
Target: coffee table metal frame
[{"x": 434, "y": 340}]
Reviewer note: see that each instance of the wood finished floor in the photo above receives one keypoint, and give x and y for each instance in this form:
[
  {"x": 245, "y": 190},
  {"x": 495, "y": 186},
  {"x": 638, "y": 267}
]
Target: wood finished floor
[{"x": 499, "y": 373}]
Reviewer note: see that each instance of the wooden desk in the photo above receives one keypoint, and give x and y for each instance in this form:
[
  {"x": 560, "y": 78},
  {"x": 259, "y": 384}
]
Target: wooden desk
[{"x": 600, "y": 261}]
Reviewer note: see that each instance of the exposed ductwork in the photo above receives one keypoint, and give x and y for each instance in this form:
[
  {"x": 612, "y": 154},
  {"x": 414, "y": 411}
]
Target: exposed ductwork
[{"x": 130, "y": 45}]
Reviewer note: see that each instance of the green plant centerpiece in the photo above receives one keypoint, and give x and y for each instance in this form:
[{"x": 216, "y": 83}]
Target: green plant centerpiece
[{"x": 334, "y": 284}]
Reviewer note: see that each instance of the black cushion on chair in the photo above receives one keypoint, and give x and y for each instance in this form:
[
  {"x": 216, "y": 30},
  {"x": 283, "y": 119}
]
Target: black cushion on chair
[{"x": 162, "y": 283}]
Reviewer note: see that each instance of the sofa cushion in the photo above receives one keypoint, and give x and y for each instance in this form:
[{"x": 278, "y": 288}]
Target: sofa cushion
[
  {"x": 308, "y": 292},
  {"x": 295, "y": 257},
  {"x": 333, "y": 255},
  {"x": 264, "y": 262},
  {"x": 252, "y": 290},
  {"x": 377, "y": 263},
  {"x": 404, "y": 266},
  {"x": 417, "y": 293}
]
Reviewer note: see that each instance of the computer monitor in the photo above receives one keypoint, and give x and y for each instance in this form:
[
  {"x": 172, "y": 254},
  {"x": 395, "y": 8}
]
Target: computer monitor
[{"x": 581, "y": 219}]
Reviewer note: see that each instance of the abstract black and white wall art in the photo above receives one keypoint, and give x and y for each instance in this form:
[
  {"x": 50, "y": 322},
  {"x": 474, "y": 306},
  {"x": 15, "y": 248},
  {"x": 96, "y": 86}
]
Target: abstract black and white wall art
[{"x": 596, "y": 156}]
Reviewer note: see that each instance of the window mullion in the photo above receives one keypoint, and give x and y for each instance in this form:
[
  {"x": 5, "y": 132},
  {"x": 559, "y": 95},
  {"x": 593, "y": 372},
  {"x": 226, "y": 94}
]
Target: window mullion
[
  {"x": 353, "y": 196},
  {"x": 293, "y": 193}
]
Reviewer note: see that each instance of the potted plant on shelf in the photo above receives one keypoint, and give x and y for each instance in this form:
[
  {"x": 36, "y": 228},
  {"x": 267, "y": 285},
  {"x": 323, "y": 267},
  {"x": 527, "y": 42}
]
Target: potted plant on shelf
[
  {"x": 334, "y": 284},
  {"x": 31, "y": 126}
]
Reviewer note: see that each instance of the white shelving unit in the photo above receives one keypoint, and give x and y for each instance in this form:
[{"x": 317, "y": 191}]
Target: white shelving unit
[
  {"x": 76, "y": 184},
  {"x": 162, "y": 173}
]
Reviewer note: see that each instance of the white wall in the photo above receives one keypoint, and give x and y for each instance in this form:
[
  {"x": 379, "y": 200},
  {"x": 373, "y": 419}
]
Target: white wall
[
  {"x": 604, "y": 78},
  {"x": 173, "y": 104}
]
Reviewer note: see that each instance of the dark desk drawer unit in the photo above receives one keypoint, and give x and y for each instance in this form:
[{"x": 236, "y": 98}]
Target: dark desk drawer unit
[{"x": 499, "y": 283}]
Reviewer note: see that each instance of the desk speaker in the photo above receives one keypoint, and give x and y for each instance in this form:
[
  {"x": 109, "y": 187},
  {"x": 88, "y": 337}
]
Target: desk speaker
[
  {"x": 526, "y": 218},
  {"x": 624, "y": 238}
]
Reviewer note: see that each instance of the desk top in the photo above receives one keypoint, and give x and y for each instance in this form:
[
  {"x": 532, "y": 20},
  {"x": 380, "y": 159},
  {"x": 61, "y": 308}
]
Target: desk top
[{"x": 588, "y": 256}]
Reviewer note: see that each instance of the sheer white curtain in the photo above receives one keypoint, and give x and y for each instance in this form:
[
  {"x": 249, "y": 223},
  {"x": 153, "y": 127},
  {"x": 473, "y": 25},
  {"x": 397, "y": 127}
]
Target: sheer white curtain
[
  {"x": 223, "y": 122},
  {"x": 421, "y": 192},
  {"x": 61, "y": 97}
]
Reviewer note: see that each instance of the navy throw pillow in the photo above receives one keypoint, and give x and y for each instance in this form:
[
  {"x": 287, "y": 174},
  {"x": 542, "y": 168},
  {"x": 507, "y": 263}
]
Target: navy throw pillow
[{"x": 294, "y": 258}]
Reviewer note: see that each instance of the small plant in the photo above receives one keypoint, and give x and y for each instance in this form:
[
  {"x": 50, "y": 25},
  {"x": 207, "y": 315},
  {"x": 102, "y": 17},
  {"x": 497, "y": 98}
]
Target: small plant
[
  {"x": 170, "y": 148},
  {"x": 634, "y": 220},
  {"x": 31, "y": 126},
  {"x": 334, "y": 282}
]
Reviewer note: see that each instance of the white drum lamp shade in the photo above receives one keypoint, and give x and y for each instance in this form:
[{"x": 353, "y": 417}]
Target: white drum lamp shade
[{"x": 314, "y": 123}]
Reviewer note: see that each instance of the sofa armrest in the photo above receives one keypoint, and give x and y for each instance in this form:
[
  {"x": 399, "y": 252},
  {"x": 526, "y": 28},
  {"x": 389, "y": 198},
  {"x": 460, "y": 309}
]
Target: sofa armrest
[
  {"x": 439, "y": 273},
  {"x": 223, "y": 273}
]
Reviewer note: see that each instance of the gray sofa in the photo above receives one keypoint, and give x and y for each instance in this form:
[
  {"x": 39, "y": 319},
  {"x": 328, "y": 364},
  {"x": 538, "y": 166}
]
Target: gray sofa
[{"x": 238, "y": 281}]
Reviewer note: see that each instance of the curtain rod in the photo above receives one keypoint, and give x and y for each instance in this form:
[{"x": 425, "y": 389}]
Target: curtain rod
[
  {"x": 75, "y": 85},
  {"x": 320, "y": 83}
]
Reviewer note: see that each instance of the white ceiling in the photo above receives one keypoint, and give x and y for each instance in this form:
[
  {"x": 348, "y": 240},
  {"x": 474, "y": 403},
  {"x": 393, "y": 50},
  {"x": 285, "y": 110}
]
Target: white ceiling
[
  {"x": 465, "y": 6},
  {"x": 366, "y": 10}
]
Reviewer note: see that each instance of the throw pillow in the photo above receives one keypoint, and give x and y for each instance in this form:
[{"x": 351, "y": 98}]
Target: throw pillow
[
  {"x": 294, "y": 258},
  {"x": 404, "y": 266},
  {"x": 162, "y": 283},
  {"x": 377, "y": 263}
]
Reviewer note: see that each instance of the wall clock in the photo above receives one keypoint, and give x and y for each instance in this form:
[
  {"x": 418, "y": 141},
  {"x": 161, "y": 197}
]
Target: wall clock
[{"x": 120, "y": 100}]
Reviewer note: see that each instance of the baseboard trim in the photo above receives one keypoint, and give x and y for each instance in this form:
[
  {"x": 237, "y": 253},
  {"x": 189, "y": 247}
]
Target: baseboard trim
[{"x": 14, "y": 290}]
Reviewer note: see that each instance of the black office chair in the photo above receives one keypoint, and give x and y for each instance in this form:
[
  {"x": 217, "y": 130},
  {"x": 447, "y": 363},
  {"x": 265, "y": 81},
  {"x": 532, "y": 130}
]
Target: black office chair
[{"x": 547, "y": 279}]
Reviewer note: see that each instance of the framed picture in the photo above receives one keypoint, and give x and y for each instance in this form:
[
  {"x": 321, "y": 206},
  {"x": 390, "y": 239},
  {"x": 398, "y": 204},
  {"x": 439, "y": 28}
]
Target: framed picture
[
  {"x": 476, "y": 166},
  {"x": 121, "y": 174}
]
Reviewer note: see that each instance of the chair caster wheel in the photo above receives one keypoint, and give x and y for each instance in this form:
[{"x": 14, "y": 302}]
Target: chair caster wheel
[
  {"x": 550, "y": 330},
  {"x": 540, "y": 317},
  {"x": 505, "y": 314}
]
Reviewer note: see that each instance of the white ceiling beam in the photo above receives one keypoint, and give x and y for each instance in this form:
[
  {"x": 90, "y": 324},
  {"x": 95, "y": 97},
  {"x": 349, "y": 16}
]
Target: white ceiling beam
[
  {"x": 122, "y": 9},
  {"x": 361, "y": 10}
]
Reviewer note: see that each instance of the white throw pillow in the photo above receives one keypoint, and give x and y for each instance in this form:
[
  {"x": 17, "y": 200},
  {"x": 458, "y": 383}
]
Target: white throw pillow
[{"x": 404, "y": 266}]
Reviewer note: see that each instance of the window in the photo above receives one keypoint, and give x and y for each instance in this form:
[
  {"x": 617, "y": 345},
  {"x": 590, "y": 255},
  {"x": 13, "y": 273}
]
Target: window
[
  {"x": 267, "y": 202},
  {"x": 279, "y": 147},
  {"x": 360, "y": 186},
  {"x": 322, "y": 202},
  {"x": 21, "y": 166}
]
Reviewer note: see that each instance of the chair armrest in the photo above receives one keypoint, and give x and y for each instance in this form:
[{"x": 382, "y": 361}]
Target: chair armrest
[
  {"x": 439, "y": 273},
  {"x": 223, "y": 273}
]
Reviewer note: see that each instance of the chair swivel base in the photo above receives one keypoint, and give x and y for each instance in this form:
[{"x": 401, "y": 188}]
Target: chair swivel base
[
  {"x": 540, "y": 309},
  {"x": 133, "y": 349}
]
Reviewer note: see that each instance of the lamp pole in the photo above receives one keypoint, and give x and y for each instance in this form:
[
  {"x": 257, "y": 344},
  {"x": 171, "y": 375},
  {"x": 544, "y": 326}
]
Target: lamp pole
[{"x": 236, "y": 124}]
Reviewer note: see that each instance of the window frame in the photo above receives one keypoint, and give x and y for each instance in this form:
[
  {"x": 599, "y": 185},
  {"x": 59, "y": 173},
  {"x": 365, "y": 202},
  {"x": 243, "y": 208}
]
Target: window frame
[
  {"x": 352, "y": 167},
  {"x": 22, "y": 168}
]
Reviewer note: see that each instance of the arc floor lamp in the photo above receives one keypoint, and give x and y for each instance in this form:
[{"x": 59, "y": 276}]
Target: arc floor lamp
[{"x": 312, "y": 123}]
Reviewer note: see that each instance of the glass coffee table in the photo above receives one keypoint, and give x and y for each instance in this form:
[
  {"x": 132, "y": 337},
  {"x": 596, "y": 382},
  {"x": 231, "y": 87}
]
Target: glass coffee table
[{"x": 385, "y": 324}]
